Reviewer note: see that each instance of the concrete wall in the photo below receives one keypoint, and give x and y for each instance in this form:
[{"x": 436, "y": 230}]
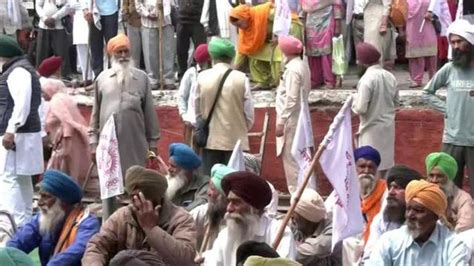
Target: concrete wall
[{"x": 418, "y": 132}]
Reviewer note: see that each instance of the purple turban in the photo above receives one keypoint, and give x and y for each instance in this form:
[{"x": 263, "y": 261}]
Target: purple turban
[
  {"x": 368, "y": 153},
  {"x": 251, "y": 188}
]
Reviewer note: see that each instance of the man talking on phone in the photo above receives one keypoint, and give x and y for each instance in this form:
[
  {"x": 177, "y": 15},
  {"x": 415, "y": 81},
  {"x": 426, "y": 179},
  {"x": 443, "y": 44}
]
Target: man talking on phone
[{"x": 150, "y": 223}]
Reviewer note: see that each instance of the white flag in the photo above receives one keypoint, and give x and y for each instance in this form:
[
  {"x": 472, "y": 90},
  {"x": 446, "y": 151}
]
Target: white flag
[
  {"x": 108, "y": 162},
  {"x": 237, "y": 159},
  {"x": 337, "y": 162},
  {"x": 282, "y": 20},
  {"x": 302, "y": 143}
]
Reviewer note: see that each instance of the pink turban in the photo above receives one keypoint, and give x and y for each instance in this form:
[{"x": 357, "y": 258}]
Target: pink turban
[
  {"x": 118, "y": 42},
  {"x": 311, "y": 206},
  {"x": 201, "y": 55},
  {"x": 50, "y": 86},
  {"x": 290, "y": 45},
  {"x": 367, "y": 54}
]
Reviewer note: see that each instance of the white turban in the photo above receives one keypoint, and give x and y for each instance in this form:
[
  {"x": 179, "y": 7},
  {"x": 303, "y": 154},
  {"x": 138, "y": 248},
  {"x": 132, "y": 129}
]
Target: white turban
[
  {"x": 311, "y": 206},
  {"x": 462, "y": 28}
]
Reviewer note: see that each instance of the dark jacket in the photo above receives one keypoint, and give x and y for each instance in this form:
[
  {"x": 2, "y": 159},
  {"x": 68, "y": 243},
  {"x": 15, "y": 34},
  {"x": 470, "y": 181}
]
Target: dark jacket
[{"x": 190, "y": 11}]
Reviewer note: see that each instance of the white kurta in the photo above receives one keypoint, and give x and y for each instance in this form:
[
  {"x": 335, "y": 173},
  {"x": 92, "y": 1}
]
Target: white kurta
[
  {"x": 375, "y": 103},
  {"x": 221, "y": 255}
]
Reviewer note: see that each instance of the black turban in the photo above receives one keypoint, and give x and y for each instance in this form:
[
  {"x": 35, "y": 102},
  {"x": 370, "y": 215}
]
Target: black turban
[{"x": 402, "y": 175}]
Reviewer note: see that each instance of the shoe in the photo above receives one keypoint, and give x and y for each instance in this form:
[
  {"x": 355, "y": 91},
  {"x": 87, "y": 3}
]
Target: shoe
[
  {"x": 414, "y": 85},
  {"x": 169, "y": 87}
]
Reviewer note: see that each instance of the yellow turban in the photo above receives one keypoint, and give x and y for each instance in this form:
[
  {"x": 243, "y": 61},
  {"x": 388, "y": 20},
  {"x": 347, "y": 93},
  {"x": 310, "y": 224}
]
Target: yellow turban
[
  {"x": 427, "y": 194},
  {"x": 118, "y": 42}
]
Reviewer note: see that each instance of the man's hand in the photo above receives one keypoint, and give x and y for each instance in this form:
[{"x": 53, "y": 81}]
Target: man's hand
[
  {"x": 88, "y": 16},
  {"x": 9, "y": 141},
  {"x": 383, "y": 29},
  {"x": 50, "y": 22},
  {"x": 429, "y": 16},
  {"x": 153, "y": 17},
  {"x": 147, "y": 215},
  {"x": 198, "y": 259},
  {"x": 279, "y": 130},
  {"x": 337, "y": 28}
]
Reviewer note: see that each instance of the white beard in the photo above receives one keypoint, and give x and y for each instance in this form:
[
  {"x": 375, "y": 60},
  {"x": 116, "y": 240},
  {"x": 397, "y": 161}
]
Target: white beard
[
  {"x": 367, "y": 184},
  {"x": 414, "y": 229},
  {"x": 175, "y": 183},
  {"x": 122, "y": 69},
  {"x": 50, "y": 218},
  {"x": 240, "y": 228}
]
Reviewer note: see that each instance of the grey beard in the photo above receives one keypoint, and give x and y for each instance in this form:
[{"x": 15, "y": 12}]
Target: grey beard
[
  {"x": 367, "y": 184},
  {"x": 216, "y": 212},
  {"x": 414, "y": 229},
  {"x": 50, "y": 219},
  {"x": 395, "y": 213}
]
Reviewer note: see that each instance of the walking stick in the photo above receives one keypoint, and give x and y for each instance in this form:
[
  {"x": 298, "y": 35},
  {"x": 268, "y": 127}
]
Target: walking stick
[
  {"x": 88, "y": 46},
  {"x": 205, "y": 240},
  {"x": 159, "y": 4}
]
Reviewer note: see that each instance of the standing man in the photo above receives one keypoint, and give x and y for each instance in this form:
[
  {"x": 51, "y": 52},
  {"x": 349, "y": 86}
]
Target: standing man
[
  {"x": 375, "y": 103},
  {"x": 103, "y": 24},
  {"x": 291, "y": 94},
  {"x": 148, "y": 11},
  {"x": 12, "y": 18},
  {"x": 124, "y": 92},
  {"x": 215, "y": 19},
  {"x": 421, "y": 47},
  {"x": 134, "y": 25},
  {"x": 233, "y": 104},
  {"x": 52, "y": 37},
  {"x": 458, "y": 79},
  {"x": 189, "y": 28},
  {"x": 21, "y": 153}
]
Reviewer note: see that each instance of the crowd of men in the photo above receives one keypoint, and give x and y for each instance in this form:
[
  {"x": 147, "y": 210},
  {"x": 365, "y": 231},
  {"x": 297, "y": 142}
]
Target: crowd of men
[{"x": 198, "y": 210}]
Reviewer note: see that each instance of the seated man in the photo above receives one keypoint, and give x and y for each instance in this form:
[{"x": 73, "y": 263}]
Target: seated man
[
  {"x": 212, "y": 213},
  {"x": 62, "y": 228},
  {"x": 372, "y": 187},
  {"x": 393, "y": 215},
  {"x": 150, "y": 223},
  {"x": 186, "y": 188},
  {"x": 441, "y": 169},
  {"x": 422, "y": 241},
  {"x": 313, "y": 231},
  {"x": 247, "y": 196},
  {"x": 262, "y": 261}
]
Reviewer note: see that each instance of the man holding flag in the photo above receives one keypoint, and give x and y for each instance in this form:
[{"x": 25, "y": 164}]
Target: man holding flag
[{"x": 292, "y": 93}]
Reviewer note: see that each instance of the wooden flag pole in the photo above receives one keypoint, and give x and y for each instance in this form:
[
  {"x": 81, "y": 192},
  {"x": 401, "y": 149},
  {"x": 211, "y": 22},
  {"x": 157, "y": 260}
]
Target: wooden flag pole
[
  {"x": 205, "y": 240},
  {"x": 161, "y": 19}
]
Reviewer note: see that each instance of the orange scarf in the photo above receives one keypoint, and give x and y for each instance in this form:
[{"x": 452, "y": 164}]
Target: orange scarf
[
  {"x": 372, "y": 204},
  {"x": 69, "y": 231},
  {"x": 252, "y": 38}
]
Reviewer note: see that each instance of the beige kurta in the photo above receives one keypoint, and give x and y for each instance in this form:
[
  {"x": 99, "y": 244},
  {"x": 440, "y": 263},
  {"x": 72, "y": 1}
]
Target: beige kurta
[
  {"x": 295, "y": 80},
  {"x": 374, "y": 12},
  {"x": 375, "y": 103},
  {"x": 461, "y": 208},
  {"x": 132, "y": 105}
]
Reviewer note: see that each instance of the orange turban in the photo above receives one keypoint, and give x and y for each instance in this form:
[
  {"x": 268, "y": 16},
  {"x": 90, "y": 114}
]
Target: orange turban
[
  {"x": 118, "y": 42},
  {"x": 427, "y": 194}
]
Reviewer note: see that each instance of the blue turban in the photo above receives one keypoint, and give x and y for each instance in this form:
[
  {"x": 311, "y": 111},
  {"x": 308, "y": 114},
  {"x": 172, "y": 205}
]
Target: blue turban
[
  {"x": 61, "y": 186},
  {"x": 368, "y": 153},
  {"x": 184, "y": 156}
]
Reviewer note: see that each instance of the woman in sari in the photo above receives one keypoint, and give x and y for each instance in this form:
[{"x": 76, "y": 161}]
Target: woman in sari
[
  {"x": 322, "y": 23},
  {"x": 256, "y": 44},
  {"x": 67, "y": 130}
]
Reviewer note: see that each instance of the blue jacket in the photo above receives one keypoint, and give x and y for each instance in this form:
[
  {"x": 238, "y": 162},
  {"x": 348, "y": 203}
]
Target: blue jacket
[{"x": 28, "y": 238}]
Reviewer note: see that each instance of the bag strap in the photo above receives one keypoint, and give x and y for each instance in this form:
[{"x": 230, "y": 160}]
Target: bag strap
[{"x": 219, "y": 90}]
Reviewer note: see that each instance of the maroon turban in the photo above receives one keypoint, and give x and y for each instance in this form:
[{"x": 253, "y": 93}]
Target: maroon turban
[
  {"x": 49, "y": 66},
  {"x": 367, "y": 54},
  {"x": 254, "y": 190},
  {"x": 201, "y": 55}
]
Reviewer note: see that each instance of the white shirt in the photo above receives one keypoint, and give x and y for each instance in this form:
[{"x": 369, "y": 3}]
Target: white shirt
[
  {"x": 268, "y": 229},
  {"x": 28, "y": 157},
  {"x": 359, "y": 6}
]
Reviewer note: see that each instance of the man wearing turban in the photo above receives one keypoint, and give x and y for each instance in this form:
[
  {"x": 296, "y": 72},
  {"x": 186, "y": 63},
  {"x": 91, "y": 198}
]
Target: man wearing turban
[
  {"x": 312, "y": 228},
  {"x": 393, "y": 215},
  {"x": 372, "y": 187},
  {"x": 247, "y": 195},
  {"x": 63, "y": 226},
  {"x": 124, "y": 92},
  {"x": 233, "y": 114},
  {"x": 186, "y": 187},
  {"x": 458, "y": 79},
  {"x": 21, "y": 152},
  {"x": 441, "y": 169},
  {"x": 151, "y": 223},
  {"x": 375, "y": 103},
  {"x": 292, "y": 97},
  {"x": 212, "y": 213},
  {"x": 422, "y": 241}
]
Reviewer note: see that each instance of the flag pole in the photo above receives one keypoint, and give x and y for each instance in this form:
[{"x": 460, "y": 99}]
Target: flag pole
[
  {"x": 336, "y": 123},
  {"x": 205, "y": 240},
  {"x": 161, "y": 19},
  {"x": 88, "y": 58}
]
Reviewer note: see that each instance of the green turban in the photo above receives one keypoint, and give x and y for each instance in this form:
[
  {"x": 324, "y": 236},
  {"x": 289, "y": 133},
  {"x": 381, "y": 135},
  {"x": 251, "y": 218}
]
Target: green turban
[
  {"x": 444, "y": 161},
  {"x": 151, "y": 183},
  {"x": 9, "y": 47},
  {"x": 221, "y": 48},
  {"x": 218, "y": 171},
  {"x": 14, "y": 257}
]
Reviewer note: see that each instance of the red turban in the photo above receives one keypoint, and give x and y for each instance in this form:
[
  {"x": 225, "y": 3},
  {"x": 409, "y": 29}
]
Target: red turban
[
  {"x": 367, "y": 54},
  {"x": 118, "y": 42},
  {"x": 290, "y": 45},
  {"x": 201, "y": 55},
  {"x": 49, "y": 66},
  {"x": 251, "y": 188}
]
